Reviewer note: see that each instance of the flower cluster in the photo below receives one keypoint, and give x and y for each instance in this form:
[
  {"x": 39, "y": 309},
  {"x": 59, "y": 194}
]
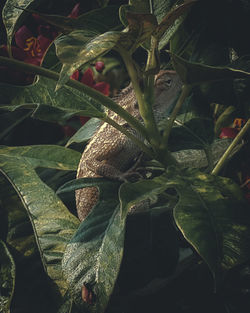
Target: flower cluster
[{"x": 31, "y": 46}]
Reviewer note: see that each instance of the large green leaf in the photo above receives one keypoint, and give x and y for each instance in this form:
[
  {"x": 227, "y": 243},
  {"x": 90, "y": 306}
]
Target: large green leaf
[
  {"x": 49, "y": 156},
  {"x": 41, "y": 94},
  {"x": 211, "y": 214},
  {"x": 52, "y": 223},
  {"x": 213, "y": 217},
  {"x": 92, "y": 258},
  {"x": 7, "y": 278},
  {"x": 171, "y": 22},
  {"x": 30, "y": 274},
  {"x": 76, "y": 49}
]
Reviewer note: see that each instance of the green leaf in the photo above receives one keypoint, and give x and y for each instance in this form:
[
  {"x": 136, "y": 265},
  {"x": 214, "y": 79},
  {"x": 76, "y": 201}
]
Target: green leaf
[
  {"x": 85, "y": 132},
  {"x": 213, "y": 217},
  {"x": 52, "y": 223},
  {"x": 93, "y": 256},
  {"x": 29, "y": 269},
  {"x": 211, "y": 213},
  {"x": 197, "y": 73},
  {"x": 43, "y": 112},
  {"x": 40, "y": 95},
  {"x": 172, "y": 21},
  {"x": 12, "y": 15},
  {"x": 76, "y": 49},
  {"x": 165, "y": 13},
  {"x": 50, "y": 156},
  {"x": 7, "y": 278}
]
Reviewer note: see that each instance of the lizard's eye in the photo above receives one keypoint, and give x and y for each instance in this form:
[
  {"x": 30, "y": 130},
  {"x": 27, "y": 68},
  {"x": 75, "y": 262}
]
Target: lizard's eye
[{"x": 169, "y": 82}]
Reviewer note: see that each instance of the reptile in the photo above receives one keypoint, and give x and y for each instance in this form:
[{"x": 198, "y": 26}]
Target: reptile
[{"x": 110, "y": 153}]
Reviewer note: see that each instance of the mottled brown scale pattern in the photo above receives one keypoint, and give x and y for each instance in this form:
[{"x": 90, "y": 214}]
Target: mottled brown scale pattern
[{"x": 110, "y": 153}]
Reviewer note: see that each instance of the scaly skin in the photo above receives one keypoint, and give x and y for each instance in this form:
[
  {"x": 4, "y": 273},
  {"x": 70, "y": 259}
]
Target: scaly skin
[{"x": 110, "y": 153}]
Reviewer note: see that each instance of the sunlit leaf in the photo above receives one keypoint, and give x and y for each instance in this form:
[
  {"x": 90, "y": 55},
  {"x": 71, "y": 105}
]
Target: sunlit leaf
[
  {"x": 76, "y": 49},
  {"x": 11, "y": 14},
  {"x": 213, "y": 217},
  {"x": 44, "y": 156},
  {"x": 7, "y": 277},
  {"x": 30, "y": 274},
  {"x": 53, "y": 224}
]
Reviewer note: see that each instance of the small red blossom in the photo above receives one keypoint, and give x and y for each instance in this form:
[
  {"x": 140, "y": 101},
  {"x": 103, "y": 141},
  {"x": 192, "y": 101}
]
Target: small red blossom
[
  {"x": 87, "y": 78},
  {"x": 99, "y": 66},
  {"x": 30, "y": 48},
  {"x": 228, "y": 132}
]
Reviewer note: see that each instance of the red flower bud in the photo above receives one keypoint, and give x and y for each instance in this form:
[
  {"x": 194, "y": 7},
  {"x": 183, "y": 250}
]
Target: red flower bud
[{"x": 99, "y": 66}]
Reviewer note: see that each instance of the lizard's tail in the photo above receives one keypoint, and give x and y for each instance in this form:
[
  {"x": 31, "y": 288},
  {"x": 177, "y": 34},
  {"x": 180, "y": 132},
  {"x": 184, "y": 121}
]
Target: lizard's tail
[{"x": 86, "y": 198}]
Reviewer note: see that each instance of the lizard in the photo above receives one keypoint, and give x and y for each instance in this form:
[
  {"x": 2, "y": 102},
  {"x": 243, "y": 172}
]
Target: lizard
[{"x": 110, "y": 153}]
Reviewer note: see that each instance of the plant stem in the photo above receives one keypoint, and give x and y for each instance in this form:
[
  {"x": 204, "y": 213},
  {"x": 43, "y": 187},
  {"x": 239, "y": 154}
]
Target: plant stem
[
  {"x": 227, "y": 153},
  {"x": 185, "y": 92},
  {"x": 145, "y": 109},
  {"x": 97, "y": 96}
]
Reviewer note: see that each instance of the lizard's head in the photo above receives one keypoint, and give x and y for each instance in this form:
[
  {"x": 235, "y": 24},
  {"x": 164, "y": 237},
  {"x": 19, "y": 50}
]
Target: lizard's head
[{"x": 167, "y": 87}]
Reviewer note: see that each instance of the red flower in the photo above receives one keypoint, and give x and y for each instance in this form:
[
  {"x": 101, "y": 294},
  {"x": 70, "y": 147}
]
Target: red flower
[
  {"x": 228, "y": 132},
  {"x": 31, "y": 48},
  {"x": 87, "y": 78}
]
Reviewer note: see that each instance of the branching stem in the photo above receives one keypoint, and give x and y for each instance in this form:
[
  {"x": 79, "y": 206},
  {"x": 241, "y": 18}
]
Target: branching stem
[{"x": 145, "y": 109}]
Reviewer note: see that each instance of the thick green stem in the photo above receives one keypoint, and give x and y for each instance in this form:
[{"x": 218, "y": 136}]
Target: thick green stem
[
  {"x": 229, "y": 150},
  {"x": 185, "y": 92},
  {"x": 145, "y": 109},
  {"x": 97, "y": 96}
]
